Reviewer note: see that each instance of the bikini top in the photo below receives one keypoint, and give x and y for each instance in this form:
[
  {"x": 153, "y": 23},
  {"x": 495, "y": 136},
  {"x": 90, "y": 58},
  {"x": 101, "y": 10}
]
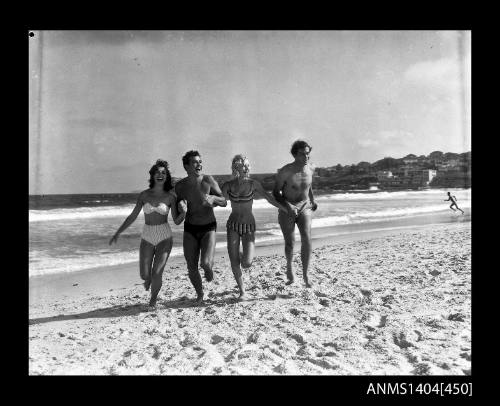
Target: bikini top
[
  {"x": 162, "y": 208},
  {"x": 241, "y": 198}
]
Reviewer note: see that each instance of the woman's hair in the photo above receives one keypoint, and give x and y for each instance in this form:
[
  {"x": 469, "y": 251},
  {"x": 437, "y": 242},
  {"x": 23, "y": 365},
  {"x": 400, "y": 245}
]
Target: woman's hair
[
  {"x": 298, "y": 145},
  {"x": 246, "y": 166},
  {"x": 160, "y": 163}
]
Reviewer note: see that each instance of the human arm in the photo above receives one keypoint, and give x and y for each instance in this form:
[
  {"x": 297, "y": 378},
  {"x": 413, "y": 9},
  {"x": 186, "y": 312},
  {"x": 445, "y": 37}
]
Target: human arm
[
  {"x": 269, "y": 197},
  {"x": 225, "y": 189},
  {"x": 177, "y": 215},
  {"x": 311, "y": 198},
  {"x": 128, "y": 221},
  {"x": 215, "y": 198},
  {"x": 279, "y": 184}
]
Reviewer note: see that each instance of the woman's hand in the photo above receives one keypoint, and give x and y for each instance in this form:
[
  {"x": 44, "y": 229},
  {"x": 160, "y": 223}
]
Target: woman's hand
[
  {"x": 114, "y": 239},
  {"x": 209, "y": 200},
  {"x": 182, "y": 207}
]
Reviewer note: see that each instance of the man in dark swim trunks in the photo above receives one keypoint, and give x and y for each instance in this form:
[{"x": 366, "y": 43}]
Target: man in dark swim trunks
[
  {"x": 293, "y": 188},
  {"x": 202, "y": 193},
  {"x": 453, "y": 200}
]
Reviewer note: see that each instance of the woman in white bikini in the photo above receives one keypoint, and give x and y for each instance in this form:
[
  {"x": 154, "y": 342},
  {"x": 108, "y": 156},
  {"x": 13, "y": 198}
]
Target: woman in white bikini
[
  {"x": 241, "y": 223},
  {"x": 156, "y": 238}
]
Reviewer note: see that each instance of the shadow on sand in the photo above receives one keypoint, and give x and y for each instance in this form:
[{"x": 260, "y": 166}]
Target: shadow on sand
[{"x": 135, "y": 309}]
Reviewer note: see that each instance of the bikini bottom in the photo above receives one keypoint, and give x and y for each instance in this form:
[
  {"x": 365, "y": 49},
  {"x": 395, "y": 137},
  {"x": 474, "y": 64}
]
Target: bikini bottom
[
  {"x": 241, "y": 228},
  {"x": 154, "y": 234}
]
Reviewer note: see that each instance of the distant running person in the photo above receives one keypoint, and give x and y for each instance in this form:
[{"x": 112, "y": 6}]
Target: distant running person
[
  {"x": 241, "y": 223},
  {"x": 453, "y": 200},
  {"x": 156, "y": 238},
  {"x": 293, "y": 189}
]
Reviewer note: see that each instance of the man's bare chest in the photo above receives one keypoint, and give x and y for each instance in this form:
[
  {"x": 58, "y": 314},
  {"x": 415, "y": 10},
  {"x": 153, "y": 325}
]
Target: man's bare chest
[
  {"x": 193, "y": 190},
  {"x": 299, "y": 180}
]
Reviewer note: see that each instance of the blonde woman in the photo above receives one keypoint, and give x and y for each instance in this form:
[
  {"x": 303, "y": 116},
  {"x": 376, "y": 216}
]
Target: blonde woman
[{"x": 240, "y": 190}]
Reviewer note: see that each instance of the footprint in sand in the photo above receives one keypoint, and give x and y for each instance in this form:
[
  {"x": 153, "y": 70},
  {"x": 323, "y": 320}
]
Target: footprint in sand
[
  {"x": 456, "y": 317},
  {"x": 324, "y": 302},
  {"x": 299, "y": 338},
  {"x": 216, "y": 339},
  {"x": 401, "y": 341},
  {"x": 422, "y": 369},
  {"x": 366, "y": 292}
]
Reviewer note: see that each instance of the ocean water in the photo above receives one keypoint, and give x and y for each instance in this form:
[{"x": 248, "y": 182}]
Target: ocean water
[{"x": 70, "y": 233}]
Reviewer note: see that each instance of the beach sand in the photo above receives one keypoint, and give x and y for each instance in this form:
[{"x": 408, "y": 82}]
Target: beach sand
[{"x": 396, "y": 302}]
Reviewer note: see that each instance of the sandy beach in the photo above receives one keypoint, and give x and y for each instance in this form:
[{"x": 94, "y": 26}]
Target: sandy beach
[{"x": 396, "y": 302}]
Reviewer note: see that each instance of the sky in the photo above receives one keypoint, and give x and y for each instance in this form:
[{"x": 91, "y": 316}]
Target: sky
[{"x": 104, "y": 105}]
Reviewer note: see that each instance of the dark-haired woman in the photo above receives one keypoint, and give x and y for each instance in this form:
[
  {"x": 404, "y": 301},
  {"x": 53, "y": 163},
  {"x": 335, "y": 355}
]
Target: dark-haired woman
[{"x": 156, "y": 238}]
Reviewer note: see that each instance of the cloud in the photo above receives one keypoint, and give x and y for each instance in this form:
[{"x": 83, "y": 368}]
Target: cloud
[
  {"x": 110, "y": 37},
  {"x": 387, "y": 137},
  {"x": 367, "y": 143},
  {"x": 440, "y": 73}
]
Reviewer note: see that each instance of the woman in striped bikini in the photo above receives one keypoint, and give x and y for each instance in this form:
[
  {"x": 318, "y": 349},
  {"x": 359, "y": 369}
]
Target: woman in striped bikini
[
  {"x": 156, "y": 238},
  {"x": 241, "y": 223}
]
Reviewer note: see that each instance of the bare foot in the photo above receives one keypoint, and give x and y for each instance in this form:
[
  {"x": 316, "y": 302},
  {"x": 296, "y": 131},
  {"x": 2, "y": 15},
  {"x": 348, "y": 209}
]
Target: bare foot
[
  {"x": 308, "y": 284},
  {"x": 152, "y": 305},
  {"x": 209, "y": 275},
  {"x": 199, "y": 298},
  {"x": 290, "y": 277},
  {"x": 147, "y": 284},
  {"x": 242, "y": 297}
]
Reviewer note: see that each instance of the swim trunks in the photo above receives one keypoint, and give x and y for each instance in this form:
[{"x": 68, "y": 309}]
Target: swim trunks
[
  {"x": 302, "y": 207},
  {"x": 198, "y": 231}
]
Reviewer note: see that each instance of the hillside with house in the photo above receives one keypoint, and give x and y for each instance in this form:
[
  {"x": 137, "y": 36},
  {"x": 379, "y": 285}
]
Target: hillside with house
[{"x": 436, "y": 170}]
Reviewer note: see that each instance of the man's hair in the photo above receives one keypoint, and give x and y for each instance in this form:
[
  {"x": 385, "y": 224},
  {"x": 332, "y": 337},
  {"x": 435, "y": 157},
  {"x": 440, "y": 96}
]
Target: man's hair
[
  {"x": 187, "y": 156},
  {"x": 298, "y": 145},
  {"x": 160, "y": 163}
]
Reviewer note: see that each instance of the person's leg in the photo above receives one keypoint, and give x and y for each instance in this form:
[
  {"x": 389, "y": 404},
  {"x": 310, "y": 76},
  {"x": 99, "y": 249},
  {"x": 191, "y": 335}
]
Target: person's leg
[
  {"x": 287, "y": 225},
  {"x": 248, "y": 243},
  {"x": 146, "y": 253},
  {"x": 192, "y": 255},
  {"x": 304, "y": 225},
  {"x": 160, "y": 260},
  {"x": 233, "y": 250},
  {"x": 207, "y": 247},
  {"x": 451, "y": 206}
]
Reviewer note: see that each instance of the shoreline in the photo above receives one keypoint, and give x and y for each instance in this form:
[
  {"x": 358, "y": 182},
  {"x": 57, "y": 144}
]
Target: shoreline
[{"x": 103, "y": 280}]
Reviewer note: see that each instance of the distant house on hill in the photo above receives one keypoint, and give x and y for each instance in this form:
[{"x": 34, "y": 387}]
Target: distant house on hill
[
  {"x": 382, "y": 175},
  {"x": 410, "y": 159}
]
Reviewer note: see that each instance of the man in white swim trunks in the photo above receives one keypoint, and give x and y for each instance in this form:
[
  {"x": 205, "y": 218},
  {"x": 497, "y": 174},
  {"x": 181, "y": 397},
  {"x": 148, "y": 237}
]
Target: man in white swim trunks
[{"x": 293, "y": 188}]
